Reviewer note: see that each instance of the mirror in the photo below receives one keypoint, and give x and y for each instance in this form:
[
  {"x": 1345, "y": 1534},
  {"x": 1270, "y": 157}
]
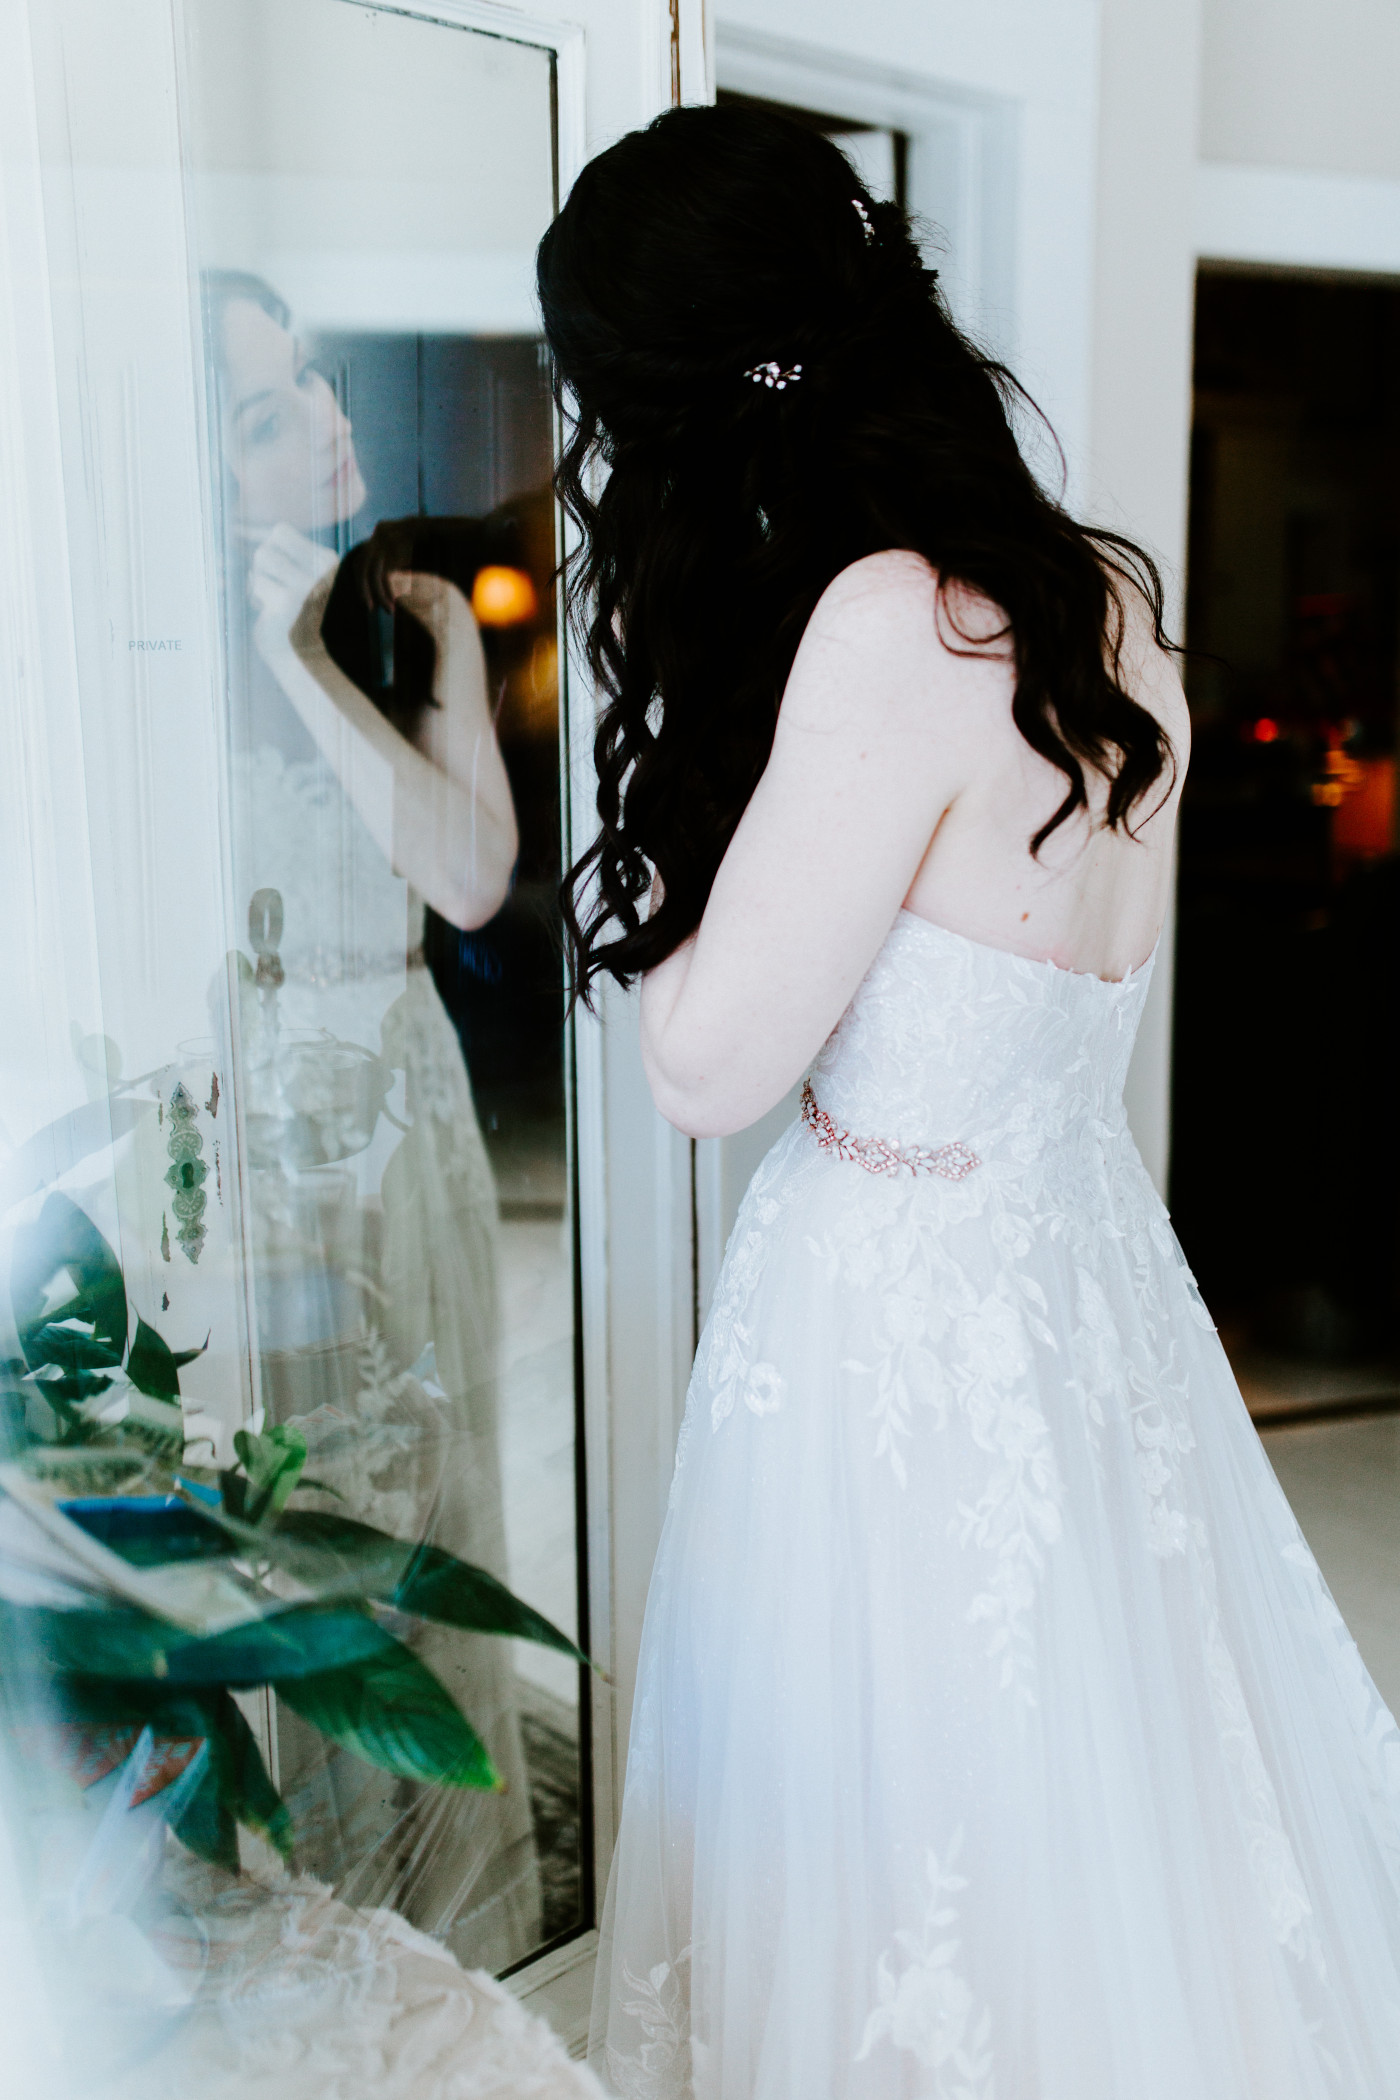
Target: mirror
[{"x": 366, "y": 190}]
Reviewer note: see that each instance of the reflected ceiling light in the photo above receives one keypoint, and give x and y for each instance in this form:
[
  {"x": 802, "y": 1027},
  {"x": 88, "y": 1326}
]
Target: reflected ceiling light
[{"x": 503, "y": 597}]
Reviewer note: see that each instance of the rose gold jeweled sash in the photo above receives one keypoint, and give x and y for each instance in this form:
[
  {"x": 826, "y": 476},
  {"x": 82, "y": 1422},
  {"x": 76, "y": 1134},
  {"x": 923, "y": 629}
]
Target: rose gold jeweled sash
[{"x": 954, "y": 1162}]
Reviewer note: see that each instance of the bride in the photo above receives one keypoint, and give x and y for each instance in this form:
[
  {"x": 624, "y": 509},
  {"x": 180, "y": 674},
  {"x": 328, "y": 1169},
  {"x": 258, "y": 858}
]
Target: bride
[
  {"x": 996, "y": 1737},
  {"x": 353, "y": 811}
]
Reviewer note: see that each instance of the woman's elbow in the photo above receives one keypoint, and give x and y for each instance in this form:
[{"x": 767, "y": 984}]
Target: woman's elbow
[
  {"x": 698, "y": 1108},
  {"x": 478, "y": 887},
  {"x": 469, "y": 901},
  {"x": 693, "y": 1119}
]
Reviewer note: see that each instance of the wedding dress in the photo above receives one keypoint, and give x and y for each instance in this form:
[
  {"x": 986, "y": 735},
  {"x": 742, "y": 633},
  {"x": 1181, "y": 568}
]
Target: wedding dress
[
  {"x": 378, "y": 1310},
  {"x": 996, "y": 1737}
]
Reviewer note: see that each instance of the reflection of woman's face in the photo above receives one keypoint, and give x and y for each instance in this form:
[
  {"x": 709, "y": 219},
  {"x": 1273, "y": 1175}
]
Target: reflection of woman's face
[{"x": 286, "y": 441}]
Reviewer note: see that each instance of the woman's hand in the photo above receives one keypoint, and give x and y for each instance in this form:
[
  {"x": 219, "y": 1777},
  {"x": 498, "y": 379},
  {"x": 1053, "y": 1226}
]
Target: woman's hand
[{"x": 289, "y": 583}]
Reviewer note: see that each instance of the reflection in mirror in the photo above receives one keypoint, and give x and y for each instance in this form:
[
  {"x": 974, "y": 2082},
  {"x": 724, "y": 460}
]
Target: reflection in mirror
[{"x": 380, "y": 484}]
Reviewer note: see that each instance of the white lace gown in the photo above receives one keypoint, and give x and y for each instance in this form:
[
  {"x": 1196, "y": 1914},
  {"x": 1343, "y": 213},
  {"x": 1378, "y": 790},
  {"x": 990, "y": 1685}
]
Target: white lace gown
[{"x": 996, "y": 1736}]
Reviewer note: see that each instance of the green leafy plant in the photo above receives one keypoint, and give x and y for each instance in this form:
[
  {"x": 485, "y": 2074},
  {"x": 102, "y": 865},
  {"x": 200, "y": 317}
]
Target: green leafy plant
[
  {"x": 272, "y": 1463},
  {"x": 334, "y": 1655},
  {"x": 75, "y": 1328}
]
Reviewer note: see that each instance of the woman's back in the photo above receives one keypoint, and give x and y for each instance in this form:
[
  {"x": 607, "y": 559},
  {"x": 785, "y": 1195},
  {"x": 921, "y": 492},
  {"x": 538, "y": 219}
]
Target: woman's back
[
  {"x": 898, "y": 776},
  {"x": 1094, "y": 897}
]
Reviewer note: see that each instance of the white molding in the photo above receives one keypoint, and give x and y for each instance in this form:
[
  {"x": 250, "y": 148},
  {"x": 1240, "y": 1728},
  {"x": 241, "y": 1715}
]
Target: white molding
[
  {"x": 559, "y": 1988},
  {"x": 521, "y": 25},
  {"x": 589, "y": 1059},
  {"x": 1296, "y": 219}
]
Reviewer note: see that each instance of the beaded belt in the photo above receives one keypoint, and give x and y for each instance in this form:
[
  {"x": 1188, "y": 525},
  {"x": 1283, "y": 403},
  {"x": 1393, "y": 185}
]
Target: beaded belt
[{"x": 954, "y": 1162}]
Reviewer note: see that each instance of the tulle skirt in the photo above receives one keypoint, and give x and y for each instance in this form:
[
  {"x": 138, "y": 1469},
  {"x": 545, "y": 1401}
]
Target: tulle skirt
[{"x": 996, "y": 1736}]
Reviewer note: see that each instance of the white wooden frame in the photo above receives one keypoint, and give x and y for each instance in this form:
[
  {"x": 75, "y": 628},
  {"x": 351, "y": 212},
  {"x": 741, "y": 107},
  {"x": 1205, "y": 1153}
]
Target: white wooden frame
[{"x": 1296, "y": 219}]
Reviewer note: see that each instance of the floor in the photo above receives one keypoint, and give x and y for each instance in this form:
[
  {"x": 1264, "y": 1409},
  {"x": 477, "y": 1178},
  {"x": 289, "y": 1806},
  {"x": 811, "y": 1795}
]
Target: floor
[
  {"x": 1342, "y": 1477},
  {"x": 1278, "y": 1388}
]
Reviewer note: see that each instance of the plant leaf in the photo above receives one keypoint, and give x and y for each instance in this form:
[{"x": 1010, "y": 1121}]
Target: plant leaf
[
  {"x": 154, "y": 1366},
  {"x": 134, "y": 1646},
  {"x": 335, "y": 1555},
  {"x": 273, "y": 1463},
  {"x": 235, "y": 1787},
  {"x": 208, "y": 1825},
  {"x": 439, "y": 1586},
  {"x": 233, "y": 1492},
  {"x": 74, "y": 1348},
  {"x": 243, "y": 1777},
  {"x": 393, "y": 1712},
  {"x": 63, "y": 1241}
]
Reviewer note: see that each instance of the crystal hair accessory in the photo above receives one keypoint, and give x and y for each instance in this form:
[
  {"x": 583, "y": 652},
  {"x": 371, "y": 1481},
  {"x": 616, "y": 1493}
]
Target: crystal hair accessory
[
  {"x": 865, "y": 222},
  {"x": 772, "y": 374}
]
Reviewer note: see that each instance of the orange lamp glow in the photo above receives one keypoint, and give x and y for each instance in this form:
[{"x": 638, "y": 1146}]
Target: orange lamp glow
[
  {"x": 503, "y": 597},
  {"x": 1364, "y": 826}
]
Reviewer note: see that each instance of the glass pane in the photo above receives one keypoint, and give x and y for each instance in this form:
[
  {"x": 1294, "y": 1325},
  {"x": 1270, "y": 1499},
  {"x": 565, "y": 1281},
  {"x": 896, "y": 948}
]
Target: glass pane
[{"x": 366, "y": 192}]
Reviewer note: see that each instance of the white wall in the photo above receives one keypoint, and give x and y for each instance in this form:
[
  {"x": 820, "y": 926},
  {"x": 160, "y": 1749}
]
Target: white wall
[
  {"x": 1300, "y": 138},
  {"x": 1302, "y": 84},
  {"x": 1140, "y": 419}
]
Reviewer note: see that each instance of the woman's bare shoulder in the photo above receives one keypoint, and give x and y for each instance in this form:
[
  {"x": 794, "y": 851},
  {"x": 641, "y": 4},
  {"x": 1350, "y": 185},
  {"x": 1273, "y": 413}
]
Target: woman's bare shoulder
[
  {"x": 898, "y": 581},
  {"x": 892, "y": 638}
]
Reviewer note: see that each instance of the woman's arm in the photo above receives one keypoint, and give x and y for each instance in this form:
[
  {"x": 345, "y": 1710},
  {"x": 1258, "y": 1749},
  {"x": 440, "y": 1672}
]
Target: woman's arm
[
  {"x": 443, "y": 816},
  {"x": 875, "y": 737}
]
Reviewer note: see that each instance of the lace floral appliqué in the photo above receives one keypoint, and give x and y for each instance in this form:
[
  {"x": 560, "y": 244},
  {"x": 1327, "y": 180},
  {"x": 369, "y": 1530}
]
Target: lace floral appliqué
[
  {"x": 926, "y": 2007},
  {"x": 657, "y": 2001}
]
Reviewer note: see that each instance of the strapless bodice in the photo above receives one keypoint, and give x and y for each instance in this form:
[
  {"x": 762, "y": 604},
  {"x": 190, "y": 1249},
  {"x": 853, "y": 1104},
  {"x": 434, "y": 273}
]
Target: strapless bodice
[{"x": 949, "y": 1041}]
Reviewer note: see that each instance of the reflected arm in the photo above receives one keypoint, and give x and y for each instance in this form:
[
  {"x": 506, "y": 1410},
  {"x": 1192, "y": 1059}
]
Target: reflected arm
[{"x": 442, "y": 815}]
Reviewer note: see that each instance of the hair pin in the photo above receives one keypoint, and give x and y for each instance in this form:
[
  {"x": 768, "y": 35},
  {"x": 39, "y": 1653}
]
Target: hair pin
[
  {"x": 772, "y": 374},
  {"x": 866, "y": 226}
]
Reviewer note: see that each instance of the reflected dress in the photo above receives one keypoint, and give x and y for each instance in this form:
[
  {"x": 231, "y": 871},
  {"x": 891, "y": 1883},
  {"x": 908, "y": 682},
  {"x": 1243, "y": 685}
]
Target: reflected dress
[
  {"x": 378, "y": 1330},
  {"x": 996, "y": 1736}
]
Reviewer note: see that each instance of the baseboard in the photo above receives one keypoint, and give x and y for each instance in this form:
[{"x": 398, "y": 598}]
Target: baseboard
[{"x": 559, "y": 1988}]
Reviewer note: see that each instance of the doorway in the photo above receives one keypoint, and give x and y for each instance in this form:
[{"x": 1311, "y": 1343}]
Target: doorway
[{"x": 1286, "y": 1113}]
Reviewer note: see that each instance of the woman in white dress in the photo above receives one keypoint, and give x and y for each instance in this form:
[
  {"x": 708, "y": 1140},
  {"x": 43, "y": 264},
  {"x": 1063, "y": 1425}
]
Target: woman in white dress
[
  {"x": 996, "y": 1737},
  {"x": 375, "y": 1249}
]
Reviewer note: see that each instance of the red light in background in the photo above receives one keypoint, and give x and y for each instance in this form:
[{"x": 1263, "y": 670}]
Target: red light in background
[{"x": 1265, "y": 730}]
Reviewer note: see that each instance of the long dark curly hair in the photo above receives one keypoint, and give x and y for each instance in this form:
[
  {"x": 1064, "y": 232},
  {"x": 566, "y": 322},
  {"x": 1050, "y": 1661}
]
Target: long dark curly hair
[{"x": 715, "y": 509}]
